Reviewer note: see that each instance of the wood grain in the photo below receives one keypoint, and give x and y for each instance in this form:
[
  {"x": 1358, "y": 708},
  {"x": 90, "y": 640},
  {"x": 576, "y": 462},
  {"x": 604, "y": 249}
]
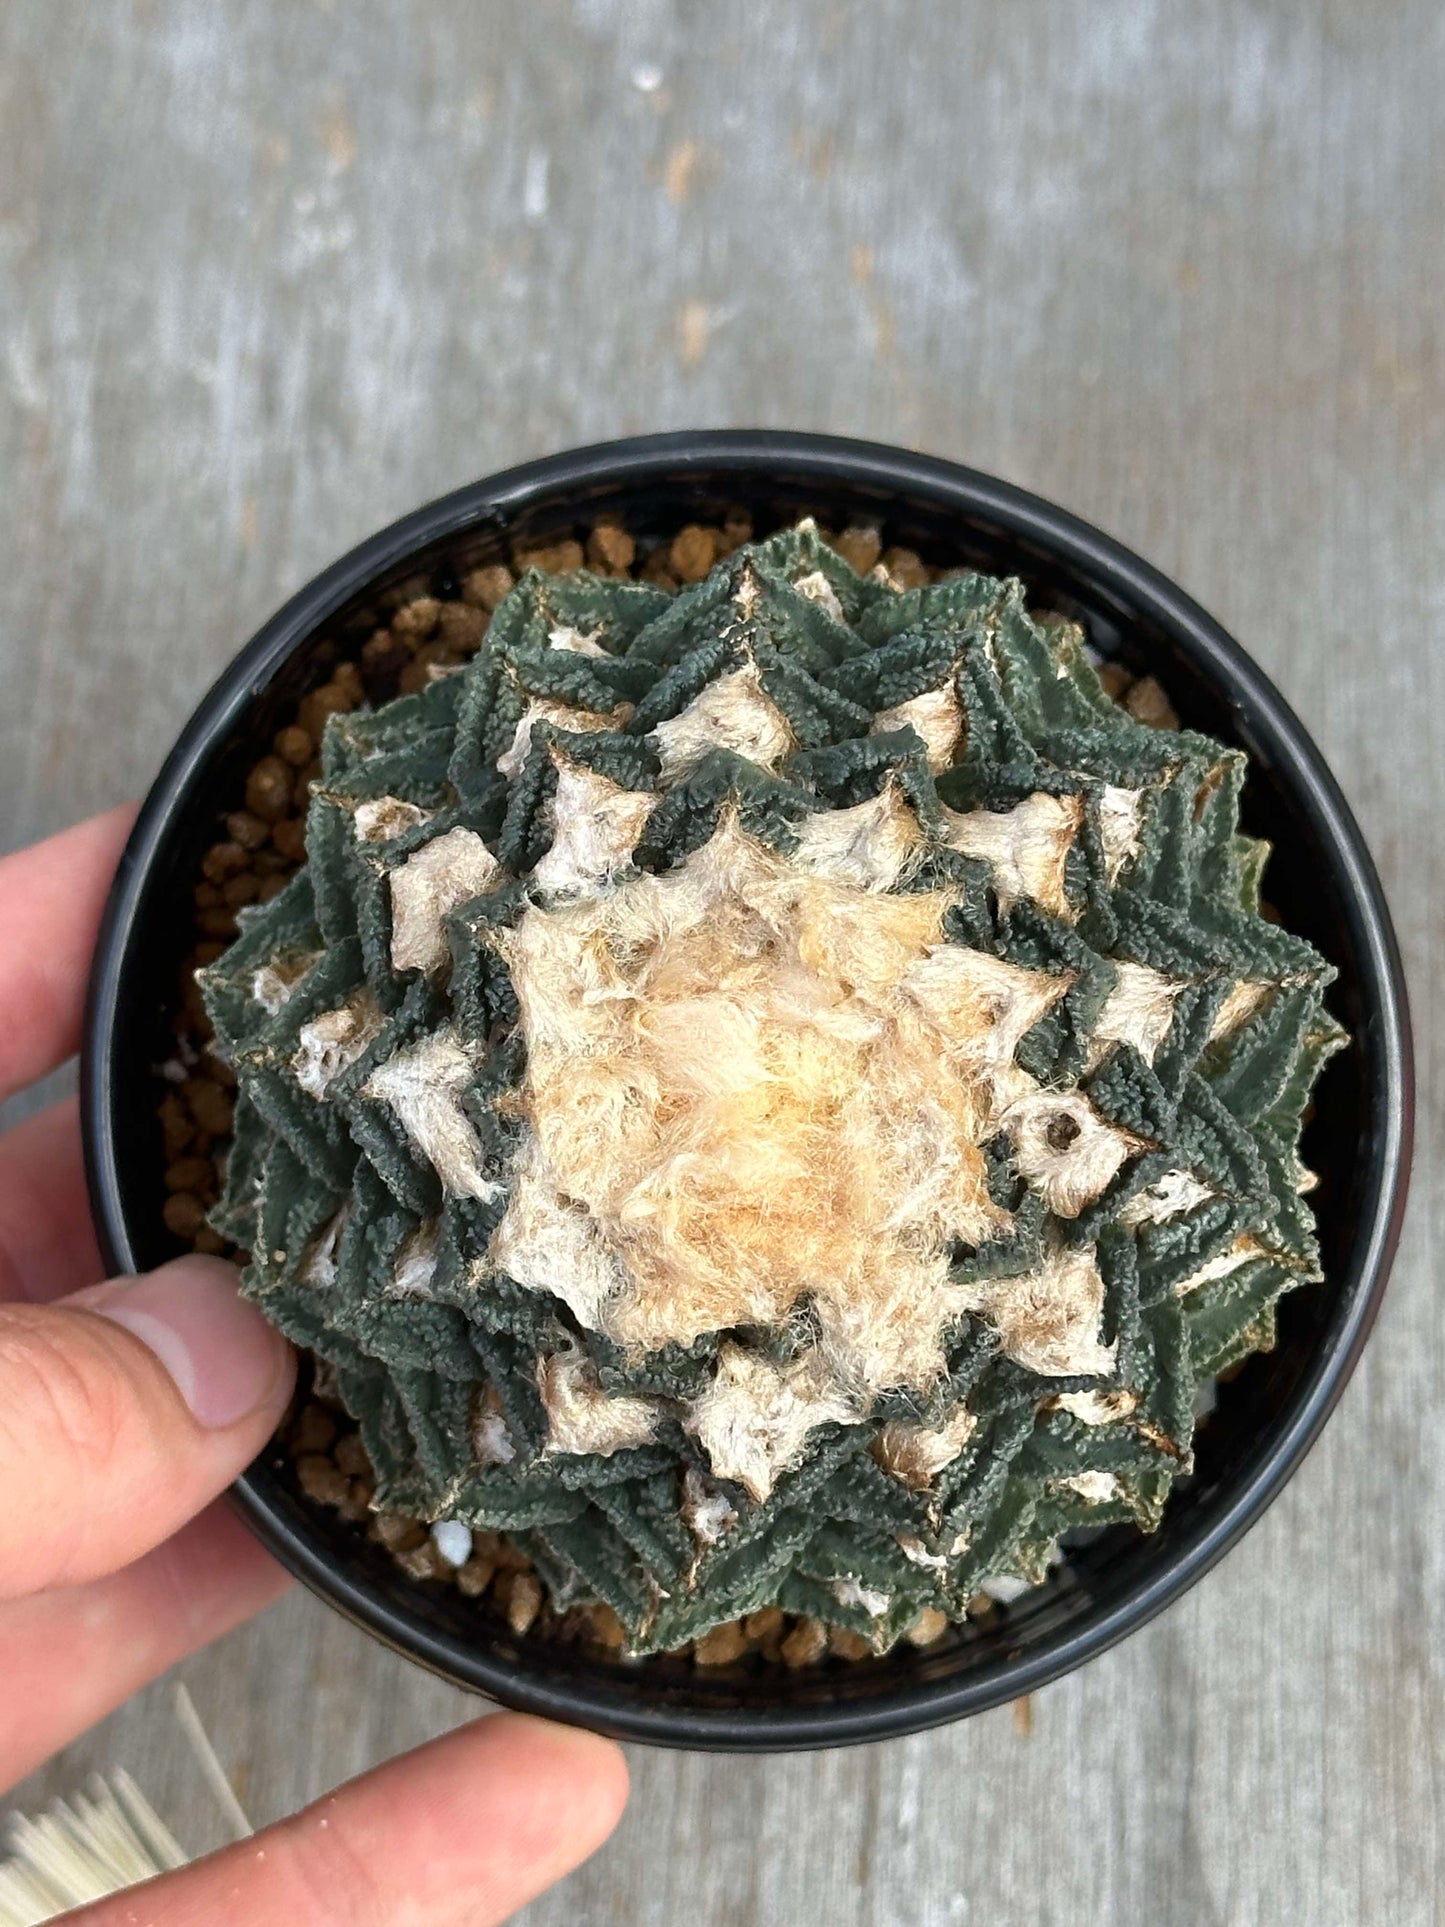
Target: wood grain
[{"x": 273, "y": 271}]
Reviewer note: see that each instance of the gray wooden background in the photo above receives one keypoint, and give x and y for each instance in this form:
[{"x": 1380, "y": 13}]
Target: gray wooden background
[{"x": 273, "y": 271}]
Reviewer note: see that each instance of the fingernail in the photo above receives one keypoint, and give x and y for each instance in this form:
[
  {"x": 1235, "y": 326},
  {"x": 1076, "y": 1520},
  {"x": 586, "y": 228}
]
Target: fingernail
[{"x": 225, "y": 1359}]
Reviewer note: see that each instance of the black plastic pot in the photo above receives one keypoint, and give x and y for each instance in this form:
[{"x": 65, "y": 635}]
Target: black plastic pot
[{"x": 1321, "y": 879}]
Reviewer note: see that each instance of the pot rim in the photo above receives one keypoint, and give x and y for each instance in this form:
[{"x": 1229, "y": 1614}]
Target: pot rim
[{"x": 1267, "y": 727}]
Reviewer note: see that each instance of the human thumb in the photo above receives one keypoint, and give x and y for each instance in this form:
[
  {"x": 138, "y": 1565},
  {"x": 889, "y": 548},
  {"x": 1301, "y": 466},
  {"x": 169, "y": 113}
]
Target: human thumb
[{"x": 124, "y": 1409}]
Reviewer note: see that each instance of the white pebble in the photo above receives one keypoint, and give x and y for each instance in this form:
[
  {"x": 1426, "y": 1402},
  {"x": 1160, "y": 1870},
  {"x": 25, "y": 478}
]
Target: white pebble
[
  {"x": 647, "y": 77},
  {"x": 1006, "y": 1587},
  {"x": 453, "y": 1541}
]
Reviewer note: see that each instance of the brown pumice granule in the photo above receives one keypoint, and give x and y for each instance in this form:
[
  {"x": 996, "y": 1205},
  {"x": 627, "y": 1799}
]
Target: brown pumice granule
[
  {"x": 486, "y": 587},
  {"x": 184, "y": 1214},
  {"x": 524, "y": 1602},
  {"x": 693, "y": 553},
  {"x": 552, "y": 558},
  {"x": 610, "y": 549},
  {"x": 860, "y": 547},
  {"x": 327, "y": 701},
  {"x": 415, "y": 621},
  {"x": 476, "y": 1575},
  {"x": 268, "y": 788},
  {"x": 806, "y": 1644},
  {"x": 907, "y": 568},
  {"x": 320, "y": 1480},
  {"x": 191, "y": 1174},
  {"x": 1147, "y": 703},
  {"x": 247, "y": 830},
  {"x": 293, "y": 745}
]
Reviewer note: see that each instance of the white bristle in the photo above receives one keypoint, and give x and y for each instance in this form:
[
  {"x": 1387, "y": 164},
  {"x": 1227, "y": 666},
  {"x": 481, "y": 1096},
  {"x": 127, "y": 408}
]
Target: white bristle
[
  {"x": 210, "y": 1766},
  {"x": 82, "y": 1852},
  {"x": 104, "y": 1841}
]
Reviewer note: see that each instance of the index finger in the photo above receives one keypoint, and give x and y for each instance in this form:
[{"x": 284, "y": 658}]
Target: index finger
[
  {"x": 51, "y": 899},
  {"x": 460, "y": 1833}
]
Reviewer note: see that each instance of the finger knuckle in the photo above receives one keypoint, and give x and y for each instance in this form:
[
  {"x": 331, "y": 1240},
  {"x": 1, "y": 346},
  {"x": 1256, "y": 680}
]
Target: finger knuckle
[
  {"x": 328, "y": 1868},
  {"x": 59, "y": 1395}
]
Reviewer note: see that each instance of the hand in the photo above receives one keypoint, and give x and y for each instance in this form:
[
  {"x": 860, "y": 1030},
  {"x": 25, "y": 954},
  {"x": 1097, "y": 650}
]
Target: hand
[{"x": 125, "y": 1408}]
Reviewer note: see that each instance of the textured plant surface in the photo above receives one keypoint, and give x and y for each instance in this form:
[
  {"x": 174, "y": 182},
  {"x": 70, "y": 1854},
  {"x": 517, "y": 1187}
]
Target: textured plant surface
[{"x": 774, "y": 1094}]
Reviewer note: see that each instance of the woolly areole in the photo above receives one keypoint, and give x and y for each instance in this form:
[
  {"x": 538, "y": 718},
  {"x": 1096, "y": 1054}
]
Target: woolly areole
[{"x": 777, "y": 1094}]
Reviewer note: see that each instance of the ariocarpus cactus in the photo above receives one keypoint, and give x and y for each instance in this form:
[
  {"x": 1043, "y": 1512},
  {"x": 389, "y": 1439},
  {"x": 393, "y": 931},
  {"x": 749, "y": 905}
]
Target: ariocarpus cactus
[{"x": 777, "y": 1094}]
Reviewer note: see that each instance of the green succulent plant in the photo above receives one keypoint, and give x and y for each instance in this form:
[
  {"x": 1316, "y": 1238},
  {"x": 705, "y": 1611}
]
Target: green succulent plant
[{"x": 775, "y": 1094}]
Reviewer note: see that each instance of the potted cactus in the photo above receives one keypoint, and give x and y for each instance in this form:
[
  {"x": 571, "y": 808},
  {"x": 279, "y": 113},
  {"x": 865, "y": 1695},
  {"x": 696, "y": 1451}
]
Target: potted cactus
[{"x": 766, "y": 1094}]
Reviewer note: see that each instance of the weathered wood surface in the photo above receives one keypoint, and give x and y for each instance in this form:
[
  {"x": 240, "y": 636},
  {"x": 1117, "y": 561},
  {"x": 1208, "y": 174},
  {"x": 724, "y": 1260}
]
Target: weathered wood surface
[{"x": 273, "y": 271}]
